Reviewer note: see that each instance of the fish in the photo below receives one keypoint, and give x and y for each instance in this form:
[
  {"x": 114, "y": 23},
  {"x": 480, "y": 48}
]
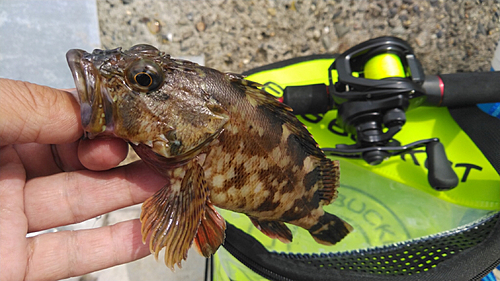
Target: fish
[{"x": 218, "y": 139}]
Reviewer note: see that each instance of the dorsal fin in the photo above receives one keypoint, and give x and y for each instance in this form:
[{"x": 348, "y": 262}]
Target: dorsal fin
[{"x": 280, "y": 110}]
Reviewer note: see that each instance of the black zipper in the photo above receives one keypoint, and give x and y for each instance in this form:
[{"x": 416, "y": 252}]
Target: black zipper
[
  {"x": 248, "y": 262},
  {"x": 486, "y": 271}
]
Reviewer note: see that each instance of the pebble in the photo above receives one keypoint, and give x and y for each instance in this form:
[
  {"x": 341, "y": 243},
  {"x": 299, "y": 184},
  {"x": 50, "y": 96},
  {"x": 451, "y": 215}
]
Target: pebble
[
  {"x": 154, "y": 26},
  {"x": 421, "y": 39},
  {"x": 337, "y": 14},
  {"x": 200, "y": 26},
  {"x": 187, "y": 35},
  {"x": 416, "y": 10},
  {"x": 434, "y": 3},
  {"x": 240, "y": 7},
  {"x": 170, "y": 37},
  {"x": 481, "y": 29},
  {"x": 492, "y": 25},
  {"x": 325, "y": 40},
  {"x": 399, "y": 30},
  {"x": 316, "y": 34},
  {"x": 392, "y": 12},
  {"x": 341, "y": 30},
  {"x": 375, "y": 10},
  {"x": 394, "y": 22}
]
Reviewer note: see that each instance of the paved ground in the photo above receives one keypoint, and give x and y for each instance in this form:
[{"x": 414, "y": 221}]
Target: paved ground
[{"x": 236, "y": 35}]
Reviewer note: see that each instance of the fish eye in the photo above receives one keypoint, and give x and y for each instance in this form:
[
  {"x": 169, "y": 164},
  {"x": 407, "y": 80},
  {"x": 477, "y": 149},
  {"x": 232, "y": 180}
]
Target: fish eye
[
  {"x": 143, "y": 79},
  {"x": 144, "y": 75}
]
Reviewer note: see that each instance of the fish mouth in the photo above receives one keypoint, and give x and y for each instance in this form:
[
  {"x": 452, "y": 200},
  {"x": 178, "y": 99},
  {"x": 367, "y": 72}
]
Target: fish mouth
[{"x": 95, "y": 104}]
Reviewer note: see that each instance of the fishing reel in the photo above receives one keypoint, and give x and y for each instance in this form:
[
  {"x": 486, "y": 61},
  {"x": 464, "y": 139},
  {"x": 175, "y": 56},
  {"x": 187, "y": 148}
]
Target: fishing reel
[{"x": 372, "y": 85}]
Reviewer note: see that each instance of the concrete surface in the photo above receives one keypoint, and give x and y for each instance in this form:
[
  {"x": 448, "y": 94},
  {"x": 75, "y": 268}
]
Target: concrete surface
[{"x": 35, "y": 36}]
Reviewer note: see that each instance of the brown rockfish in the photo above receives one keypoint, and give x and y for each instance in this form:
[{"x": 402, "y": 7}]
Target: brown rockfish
[{"x": 217, "y": 139}]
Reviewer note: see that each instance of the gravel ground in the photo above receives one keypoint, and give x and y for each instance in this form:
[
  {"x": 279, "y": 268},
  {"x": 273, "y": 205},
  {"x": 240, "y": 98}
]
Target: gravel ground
[{"x": 447, "y": 36}]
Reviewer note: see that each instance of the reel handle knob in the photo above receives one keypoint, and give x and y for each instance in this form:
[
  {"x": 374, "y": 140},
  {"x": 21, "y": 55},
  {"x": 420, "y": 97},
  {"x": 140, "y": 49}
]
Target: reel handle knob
[{"x": 441, "y": 176}]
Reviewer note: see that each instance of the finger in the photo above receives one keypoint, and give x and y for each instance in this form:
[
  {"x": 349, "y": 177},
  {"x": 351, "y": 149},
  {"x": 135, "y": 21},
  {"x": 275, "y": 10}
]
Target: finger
[
  {"x": 67, "y": 198},
  {"x": 34, "y": 113},
  {"x": 102, "y": 154},
  {"x": 44, "y": 160},
  {"x": 64, "y": 254},
  {"x": 13, "y": 222}
]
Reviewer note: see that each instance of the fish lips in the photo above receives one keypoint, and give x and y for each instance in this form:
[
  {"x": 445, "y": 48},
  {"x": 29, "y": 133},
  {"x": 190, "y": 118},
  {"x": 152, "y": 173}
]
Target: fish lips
[{"x": 95, "y": 106}]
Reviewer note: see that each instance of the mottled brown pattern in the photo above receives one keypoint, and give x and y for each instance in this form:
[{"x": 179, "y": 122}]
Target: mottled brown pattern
[{"x": 217, "y": 139}]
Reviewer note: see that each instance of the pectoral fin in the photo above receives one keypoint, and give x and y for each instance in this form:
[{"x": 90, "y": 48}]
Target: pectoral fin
[
  {"x": 173, "y": 214},
  {"x": 211, "y": 232}
]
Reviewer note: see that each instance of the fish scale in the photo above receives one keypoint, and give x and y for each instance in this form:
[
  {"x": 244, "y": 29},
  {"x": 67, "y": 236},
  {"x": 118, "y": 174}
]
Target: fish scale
[{"x": 217, "y": 139}]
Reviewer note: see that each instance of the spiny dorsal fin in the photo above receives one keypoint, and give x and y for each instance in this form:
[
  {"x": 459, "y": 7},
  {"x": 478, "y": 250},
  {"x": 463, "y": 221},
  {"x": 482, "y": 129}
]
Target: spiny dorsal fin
[{"x": 280, "y": 110}]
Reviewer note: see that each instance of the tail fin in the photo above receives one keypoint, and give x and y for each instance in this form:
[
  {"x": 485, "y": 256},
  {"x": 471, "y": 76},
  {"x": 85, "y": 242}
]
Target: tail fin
[{"x": 330, "y": 229}]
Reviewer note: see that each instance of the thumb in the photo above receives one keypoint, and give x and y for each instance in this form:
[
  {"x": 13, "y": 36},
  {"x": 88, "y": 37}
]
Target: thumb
[{"x": 34, "y": 113}]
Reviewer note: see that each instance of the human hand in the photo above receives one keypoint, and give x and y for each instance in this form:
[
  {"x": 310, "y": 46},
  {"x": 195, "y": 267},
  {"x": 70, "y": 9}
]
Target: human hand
[{"x": 44, "y": 186}]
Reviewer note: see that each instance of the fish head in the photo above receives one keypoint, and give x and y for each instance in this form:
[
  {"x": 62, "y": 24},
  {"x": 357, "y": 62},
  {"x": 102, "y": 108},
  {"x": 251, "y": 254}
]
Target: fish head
[{"x": 144, "y": 96}]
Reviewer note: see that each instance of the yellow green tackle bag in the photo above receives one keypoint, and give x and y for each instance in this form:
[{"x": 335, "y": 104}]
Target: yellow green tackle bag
[{"x": 419, "y": 177}]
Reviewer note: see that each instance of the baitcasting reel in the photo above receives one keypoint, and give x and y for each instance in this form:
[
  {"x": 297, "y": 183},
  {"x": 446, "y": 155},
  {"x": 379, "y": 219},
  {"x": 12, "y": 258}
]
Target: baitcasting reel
[{"x": 372, "y": 85}]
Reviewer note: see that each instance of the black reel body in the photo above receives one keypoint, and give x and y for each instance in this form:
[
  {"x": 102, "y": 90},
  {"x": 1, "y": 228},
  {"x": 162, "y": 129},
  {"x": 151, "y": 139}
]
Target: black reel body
[
  {"x": 360, "y": 100},
  {"x": 374, "y": 110}
]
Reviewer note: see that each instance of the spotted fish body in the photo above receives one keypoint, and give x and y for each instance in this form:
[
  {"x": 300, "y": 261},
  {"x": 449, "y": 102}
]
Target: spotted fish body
[{"x": 217, "y": 139}]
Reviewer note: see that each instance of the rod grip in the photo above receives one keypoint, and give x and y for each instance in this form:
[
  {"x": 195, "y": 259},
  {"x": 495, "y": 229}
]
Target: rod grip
[
  {"x": 462, "y": 89},
  {"x": 307, "y": 99}
]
